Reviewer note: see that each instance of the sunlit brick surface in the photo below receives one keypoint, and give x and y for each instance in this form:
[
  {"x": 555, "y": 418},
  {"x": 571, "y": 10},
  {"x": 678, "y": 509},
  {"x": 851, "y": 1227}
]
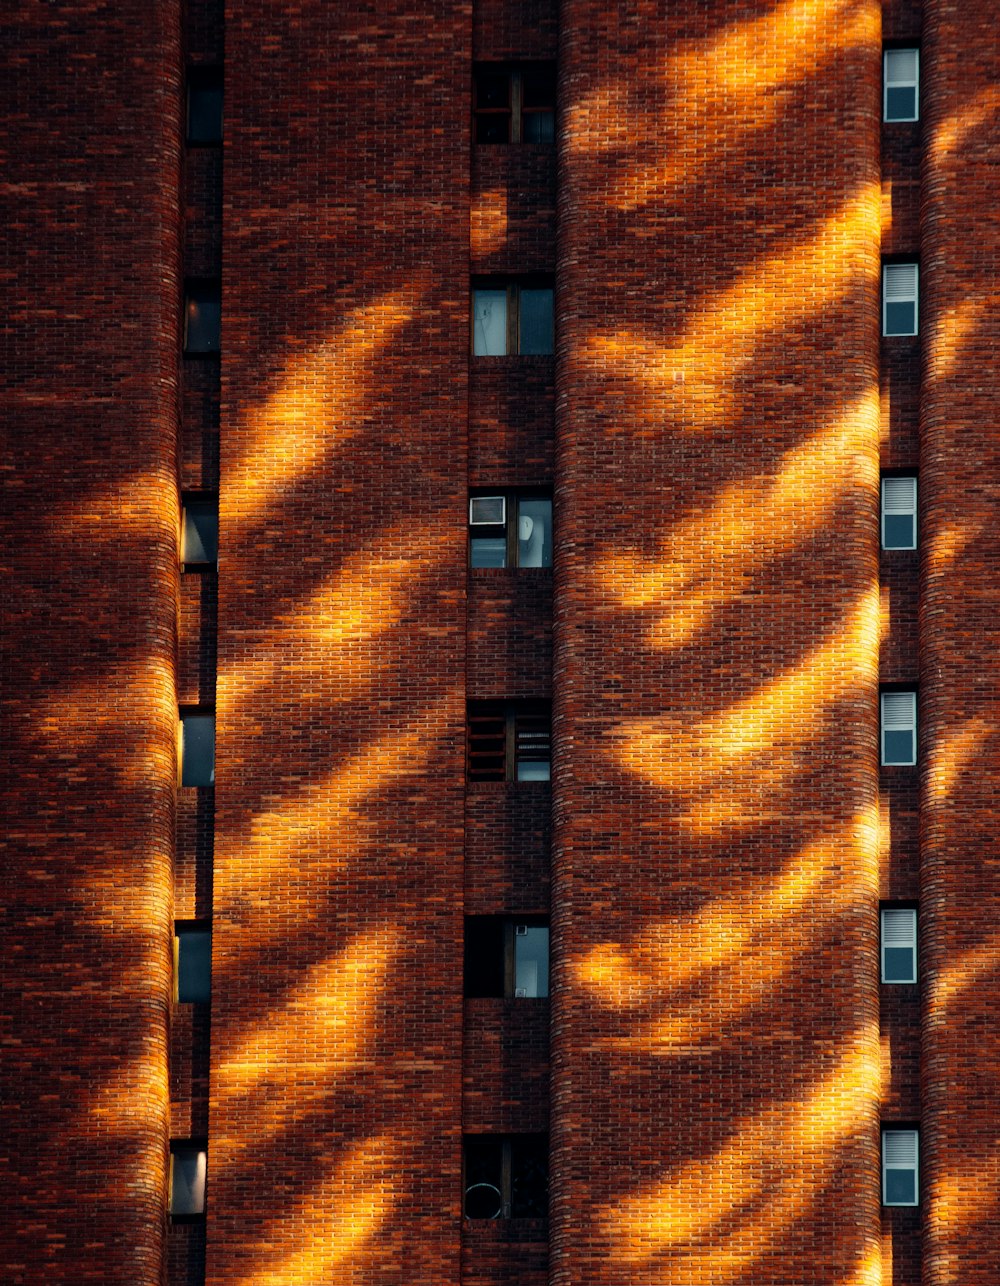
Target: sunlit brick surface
[
  {"x": 92, "y": 135},
  {"x": 715, "y": 1020},
  {"x": 335, "y": 1127},
  {"x": 960, "y": 885}
]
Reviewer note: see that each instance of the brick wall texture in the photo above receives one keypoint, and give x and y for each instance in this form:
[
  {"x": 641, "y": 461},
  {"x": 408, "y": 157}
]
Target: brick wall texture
[{"x": 717, "y": 1054}]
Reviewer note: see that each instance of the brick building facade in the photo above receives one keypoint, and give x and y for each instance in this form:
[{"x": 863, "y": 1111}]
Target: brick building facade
[{"x": 642, "y": 640}]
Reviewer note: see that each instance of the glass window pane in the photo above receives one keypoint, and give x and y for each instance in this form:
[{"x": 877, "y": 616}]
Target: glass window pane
[
  {"x": 198, "y": 750},
  {"x": 529, "y": 1177},
  {"x": 900, "y": 318},
  {"x": 901, "y": 103},
  {"x": 490, "y": 323},
  {"x": 900, "y": 1187},
  {"x": 901, "y": 64},
  {"x": 202, "y": 319},
  {"x": 534, "y": 532},
  {"x": 483, "y": 1178},
  {"x": 899, "y": 532},
  {"x": 492, "y": 88},
  {"x": 533, "y": 770},
  {"x": 484, "y": 952},
  {"x": 488, "y": 551},
  {"x": 531, "y": 961},
  {"x": 538, "y": 86},
  {"x": 898, "y": 747},
  {"x": 200, "y": 539},
  {"x": 187, "y": 1181},
  {"x": 493, "y": 127},
  {"x": 898, "y": 964},
  {"x": 194, "y": 966},
  {"x": 205, "y": 113},
  {"x": 538, "y": 127},
  {"x": 536, "y": 321}
]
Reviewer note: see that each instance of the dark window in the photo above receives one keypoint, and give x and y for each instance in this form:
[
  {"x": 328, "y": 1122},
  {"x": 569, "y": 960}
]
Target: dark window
[
  {"x": 202, "y": 316},
  {"x": 204, "y": 105},
  {"x": 197, "y": 747},
  {"x": 200, "y": 531},
  {"x": 514, "y": 104},
  {"x": 188, "y": 1167},
  {"x": 513, "y": 317},
  {"x": 509, "y": 741},
  {"x": 192, "y": 962},
  {"x": 506, "y": 1176},
  {"x": 506, "y": 957},
  {"x": 510, "y": 529}
]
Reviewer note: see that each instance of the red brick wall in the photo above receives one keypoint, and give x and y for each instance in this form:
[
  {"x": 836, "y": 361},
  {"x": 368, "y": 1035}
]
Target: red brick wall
[
  {"x": 960, "y": 473},
  {"x": 335, "y": 1129},
  {"x": 715, "y": 1001},
  {"x": 91, "y": 111}
]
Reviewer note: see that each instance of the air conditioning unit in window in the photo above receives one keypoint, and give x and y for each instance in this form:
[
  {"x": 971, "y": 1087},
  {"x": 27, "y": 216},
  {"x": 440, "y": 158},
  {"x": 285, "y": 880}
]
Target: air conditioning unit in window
[{"x": 487, "y": 511}]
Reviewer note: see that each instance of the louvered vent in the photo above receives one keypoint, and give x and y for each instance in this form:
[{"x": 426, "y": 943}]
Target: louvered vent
[
  {"x": 899, "y": 281},
  {"x": 899, "y": 495},
  {"x": 899, "y": 711},
  {"x": 899, "y": 1148},
  {"x": 899, "y": 927}
]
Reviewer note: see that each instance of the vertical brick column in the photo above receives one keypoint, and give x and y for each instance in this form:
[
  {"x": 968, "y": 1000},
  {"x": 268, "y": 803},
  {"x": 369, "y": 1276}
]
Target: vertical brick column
[
  {"x": 715, "y": 1008},
  {"x": 335, "y": 1120},
  {"x": 91, "y": 147},
  {"x": 960, "y": 637}
]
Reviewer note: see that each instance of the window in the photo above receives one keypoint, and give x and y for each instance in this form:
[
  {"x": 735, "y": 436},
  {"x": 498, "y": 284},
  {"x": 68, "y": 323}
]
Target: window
[
  {"x": 204, "y": 105},
  {"x": 506, "y": 957},
  {"x": 510, "y": 529},
  {"x": 188, "y": 1167},
  {"x": 509, "y": 741},
  {"x": 900, "y": 84},
  {"x": 506, "y": 1176},
  {"x": 192, "y": 962},
  {"x": 514, "y": 104},
  {"x": 899, "y": 513},
  {"x": 899, "y": 727},
  {"x": 200, "y": 531},
  {"x": 512, "y": 317},
  {"x": 899, "y": 944},
  {"x": 900, "y": 282},
  {"x": 196, "y": 750},
  {"x": 202, "y": 316},
  {"x": 899, "y": 1167}
]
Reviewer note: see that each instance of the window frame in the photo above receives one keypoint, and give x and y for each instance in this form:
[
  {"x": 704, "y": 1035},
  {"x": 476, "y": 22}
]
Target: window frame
[
  {"x": 890, "y": 907},
  {"x": 513, "y": 287},
  {"x": 897, "y": 690},
  {"x": 887, "y": 265},
  {"x": 884, "y": 512},
  {"x": 514, "y": 713},
  {"x": 180, "y": 928},
  {"x": 188, "y": 500},
  {"x": 211, "y": 290},
  {"x": 900, "y": 84},
  {"x": 915, "y": 1169},
  {"x": 509, "y": 926},
  {"x": 204, "y": 76},
  {"x": 515, "y": 111},
  {"x": 198, "y": 1145},
  {"x": 194, "y": 711},
  {"x": 507, "y": 1144},
  {"x": 512, "y": 498}
]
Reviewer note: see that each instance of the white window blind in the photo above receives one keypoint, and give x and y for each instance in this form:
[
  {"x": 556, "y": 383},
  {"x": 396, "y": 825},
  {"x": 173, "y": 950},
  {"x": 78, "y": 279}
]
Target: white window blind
[{"x": 899, "y": 513}]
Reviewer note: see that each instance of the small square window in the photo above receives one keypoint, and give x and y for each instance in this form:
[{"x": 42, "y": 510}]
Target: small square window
[
  {"x": 900, "y": 1160},
  {"x": 188, "y": 1173},
  {"x": 509, "y": 741},
  {"x": 506, "y": 1176},
  {"x": 197, "y": 748},
  {"x": 899, "y": 727},
  {"x": 513, "y": 318},
  {"x": 510, "y": 529},
  {"x": 899, "y": 512},
  {"x": 200, "y": 531},
  {"x": 899, "y": 944},
  {"x": 202, "y": 316},
  {"x": 900, "y": 287},
  {"x": 192, "y": 963},
  {"x": 204, "y": 105},
  {"x": 506, "y": 957},
  {"x": 514, "y": 104},
  {"x": 900, "y": 84}
]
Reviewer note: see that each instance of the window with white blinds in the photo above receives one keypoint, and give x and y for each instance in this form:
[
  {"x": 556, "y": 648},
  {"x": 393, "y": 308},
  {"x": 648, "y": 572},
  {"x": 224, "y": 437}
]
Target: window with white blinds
[
  {"x": 899, "y": 1167},
  {"x": 899, "y": 944},
  {"x": 900, "y": 286},
  {"x": 899, "y": 727},
  {"x": 899, "y": 513},
  {"x": 900, "y": 84}
]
